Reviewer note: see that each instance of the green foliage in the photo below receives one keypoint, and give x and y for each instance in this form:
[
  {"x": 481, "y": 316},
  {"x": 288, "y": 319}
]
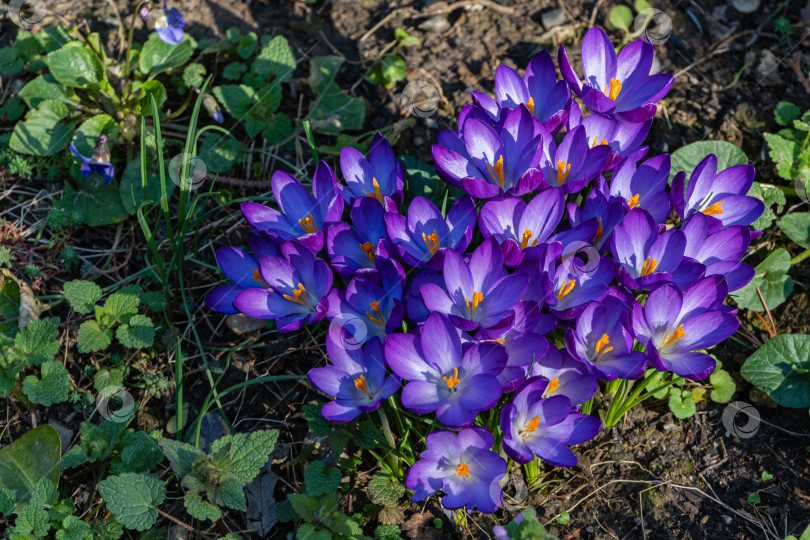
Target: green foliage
[
  {"x": 621, "y": 17},
  {"x": 771, "y": 277},
  {"x": 781, "y": 369},
  {"x": 786, "y": 112},
  {"x": 320, "y": 480},
  {"x": 82, "y": 295},
  {"x": 126, "y": 450},
  {"x": 333, "y": 110},
  {"x": 789, "y": 148},
  {"x": 797, "y": 227},
  {"x": 528, "y": 529},
  {"x": 388, "y": 71},
  {"x": 404, "y": 39},
  {"x": 34, "y": 345},
  {"x": 687, "y": 157},
  {"x": 383, "y": 488},
  {"x": 29, "y": 460},
  {"x": 52, "y": 388},
  {"x": 133, "y": 498},
  {"x": 770, "y": 196}
]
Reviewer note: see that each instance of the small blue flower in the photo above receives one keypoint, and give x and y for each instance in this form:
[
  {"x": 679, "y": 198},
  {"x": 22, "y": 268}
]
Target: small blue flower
[{"x": 99, "y": 162}]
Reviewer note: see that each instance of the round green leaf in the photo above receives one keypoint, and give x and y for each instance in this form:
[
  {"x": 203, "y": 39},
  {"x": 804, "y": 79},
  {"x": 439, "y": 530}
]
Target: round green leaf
[
  {"x": 724, "y": 386},
  {"x": 42, "y": 134},
  {"x": 157, "y": 56},
  {"x": 75, "y": 65},
  {"x": 797, "y": 227},
  {"x": 681, "y": 407},
  {"x": 621, "y": 17},
  {"x": 781, "y": 369},
  {"x": 687, "y": 157},
  {"x": 771, "y": 277}
]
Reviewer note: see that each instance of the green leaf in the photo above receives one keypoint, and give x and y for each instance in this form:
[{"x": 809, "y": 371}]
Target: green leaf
[
  {"x": 681, "y": 407},
  {"x": 139, "y": 453},
  {"x": 38, "y": 342},
  {"x": 234, "y": 71},
  {"x": 76, "y": 66},
  {"x": 82, "y": 295},
  {"x": 199, "y": 508},
  {"x": 564, "y": 518},
  {"x": 687, "y": 157},
  {"x": 138, "y": 333},
  {"x": 41, "y": 135},
  {"x": 422, "y": 180},
  {"x": 181, "y": 455},
  {"x": 723, "y": 386},
  {"x": 91, "y": 129},
  {"x": 771, "y": 277},
  {"x": 29, "y": 459},
  {"x": 43, "y": 87},
  {"x": 275, "y": 59},
  {"x": 154, "y": 300},
  {"x": 784, "y": 153},
  {"x": 754, "y": 498},
  {"x": 12, "y": 109},
  {"x": 148, "y": 90},
  {"x": 101, "y": 205},
  {"x": 319, "y": 425},
  {"x": 7, "y": 501},
  {"x": 797, "y": 227},
  {"x": 220, "y": 152},
  {"x": 92, "y": 338},
  {"x": 108, "y": 377},
  {"x": 387, "y": 532},
  {"x": 133, "y": 498},
  {"x": 390, "y": 70},
  {"x": 52, "y": 388},
  {"x": 247, "y": 45},
  {"x": 122, "y": 304},
  {"x": 278, "y": 129},
  {"x": 44, "y": 494},
  {"x": 333, "y": 111},
  {"x": 785, "y": 112},
  {"x": 130, "y": 190},
  {"x": 320, "y": 480},
  {"x": 405, "y": 39},
  {"x": 157, "y": 56},
  {"x": 246, "y": 105},
  {"x": 766, "y": 476},
  {"x": 74, "y": 528},
  {"x": 384, "y": 488},
  {"x": 248, "y": 452},
  {"x": 781, "y": 369},
  {"x": 194, "y": 75},
  {"x": 621, "y": 17},
  {"x": 769, "y": 195},
  {"x": 32, "y": 520}
]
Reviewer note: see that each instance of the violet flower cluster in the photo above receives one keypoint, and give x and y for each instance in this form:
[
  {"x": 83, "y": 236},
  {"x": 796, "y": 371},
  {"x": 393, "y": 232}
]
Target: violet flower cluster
[{"x": 561, "y": 264}]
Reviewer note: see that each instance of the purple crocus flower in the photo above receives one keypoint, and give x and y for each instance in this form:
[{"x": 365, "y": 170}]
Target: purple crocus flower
[
  {"x": 168, "y": 23},
  {"x": 380, "y": 176},
  {"x": 623, "y": 138},
  {"x": 443, "y": 377},
  {"x": 356, "y": 378},
  {"x": 99, "y": 162},
  {"x": 486, "y": 160},
  {"x": 539, "y": 90},
  {"x": 476, "y": 294},
  {"x": 414, "y": 307},
  {"x": 423, "y": 237},
  {"x": 242, "y": 269},
  {"x": 621, "y": 85},
  {"x": 607, "y": 211},
  {"x": 719, "y": 249},
  {"x": 644, "y": 186},
  {"x": 644, "y": 257},
  {"x": 517, "y": 225},
  {"x": 566, "y": 376},
  {"x": 463, "y": 466},
  {"x": 572, "y": 164},
  {"x": 673, "y": 325},
  {"x": 303, "y": 217},
  {"x": 721, "y": 195},
  {"x": 371, "y": 305},
  {"x": 544, "y": 427},
  {"x": 575, "y": 282},
  {"x": 603, "y": 343},
  {"x": 362, "y": 245},
  {"x": 297, "y": 285}
]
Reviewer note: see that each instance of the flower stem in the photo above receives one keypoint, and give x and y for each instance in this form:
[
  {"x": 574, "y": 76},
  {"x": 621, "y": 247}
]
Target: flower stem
[
  {"x": 393, "y": 460},
  {"x": 800, "y": 257},
  {"x": 129, "y": 45}
]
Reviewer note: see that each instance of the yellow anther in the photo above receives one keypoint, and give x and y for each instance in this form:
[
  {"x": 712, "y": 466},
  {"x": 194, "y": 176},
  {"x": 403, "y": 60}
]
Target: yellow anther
[
  {"x": 527, "y": 235},
  {"x": 496, "y": 171},
  {"x": 361, "y": 384},
  {"x": 672, "y": 339},
  {"x": 376, "y": 194},
  {"x": 649, "y": 267},
  {"x": 612, "y": 91},
  {"x": 633, "y": 202},
  {"x": 463, "y": 469},
  {"x": 601, "y": 345},
  {"x": 432, "y": 242},
  {"x": 563, "y": 169},
  {"x": 530, "y": 105},
  {"x": 477, "y": 297},
  {"x": 374, "y": 315},
  {"x": 714, "y": 209},
  {"x": 596, "y": 141},
  {"x": 299, "y": 296},
  {"x": 599, "y": 231},
  {"x": 553, "y": 385},
  {"x": 566, "y": 288},
  {"x": 258, "y": 278},
  {"x": 452, "y": 380},
  {"x": 531, "y": 427},
  {"x": 368, "y": 249},
  {"x": 308, "y": 224}
]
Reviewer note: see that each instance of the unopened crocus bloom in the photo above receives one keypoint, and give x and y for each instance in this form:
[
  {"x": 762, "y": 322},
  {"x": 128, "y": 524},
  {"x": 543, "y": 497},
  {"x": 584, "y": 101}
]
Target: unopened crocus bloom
[
  {"x": 544, "y": 427},
  {"x": 621, "y": 86},
  {"x": 371, "y": 305},
  {"x": 644, "y": 257},
  {"x": 296, "y": 287},
  {"x": 476, "y": 294},
  {"x": 463, "y": 466},
  {"x": 721, "y": 195},
  {"x": 486, "y": 160},
  {"x": 356, "y": 379},
  {"x": 644, "y": 186},
  {"x": 423, "y": 236},
  {"x": 623, "y": 138},
  {"x": 99, "y": 162},
  {"x": 361, "y": 245},
  {"x": 168, "y": 23},
  {"x": 566, "y": 376},
  {"x": 573, "y": 163},
  {"x": 517, "y": 225},
  {"x": 380, "y": 176},
  {"x": 303, "y": 217},
  {"x": 719, "y": 249},
  {"x": 211, "y": 105},
  {"x": 675, "y": 325},
  {"x": 606, "y": 210},
  {"x": 539, "y": 90},
  {"x": 602, "y": 341},
  {"x": 443, "y": 377},
  {"x": 242, "y": 269}
]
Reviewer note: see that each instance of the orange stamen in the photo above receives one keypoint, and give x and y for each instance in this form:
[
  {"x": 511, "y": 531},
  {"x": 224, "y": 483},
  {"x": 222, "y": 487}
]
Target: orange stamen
[
  {"x": 452, "y": 380},
  {"x": 374, "y": 315},
  {"x": 714, "y": 209},
  {"x": 633, "y": 202},
  {"x": 553, "y": 385},
  {"x": 601, "y": 345},
  {"x": 308, "y": 224},
  {"x": 361, "y": 384},
  {"x": 597, "y": 141},
  {"x": 530, "y": 105},
  {"x": 299, "y": 296},
  {"x": 376, "y": 194},
  {"x": 566, "y": 288},
  {"x": 258, "y": 278},
  {"x": 649, "y": 267},
  {"x": 599, "y": 231},
  {"x": 432, "y": 242},
  {"x": 613, "y": 91},
  {"x": 527, "y": 235},
  {"x": 531, "y": 427},
  {"x": 463, "y": 469},
  {"x": 563, "y": 169},
  {"x": 671, "y": 340},
  {"x": 496, "y": 171},
  {"x": 368, "y": 249},
  {"x": 477, "y": 297}
]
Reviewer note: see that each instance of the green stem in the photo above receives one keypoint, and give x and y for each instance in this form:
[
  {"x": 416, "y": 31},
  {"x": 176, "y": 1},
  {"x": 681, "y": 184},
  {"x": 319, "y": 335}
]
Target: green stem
[
  {"x": 800, "y": 257},
  {"x": 386, "y": 428},
  {"x": 129, "y": 46}
]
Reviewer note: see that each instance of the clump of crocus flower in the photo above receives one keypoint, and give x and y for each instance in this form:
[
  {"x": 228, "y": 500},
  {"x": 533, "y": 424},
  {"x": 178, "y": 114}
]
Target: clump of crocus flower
[{"x": 579, "y": 276}]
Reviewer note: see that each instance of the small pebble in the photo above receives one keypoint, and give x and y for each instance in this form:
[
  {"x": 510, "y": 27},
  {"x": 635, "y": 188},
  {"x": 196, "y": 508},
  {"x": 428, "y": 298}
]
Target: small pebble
[
  {"x": 418, "y": 141},
  {"x": 553, "y": 18},
  {"x": 727, "y": 520},
  {"x": 437, "y": 24},
  {"x": 745, "y": 6}
]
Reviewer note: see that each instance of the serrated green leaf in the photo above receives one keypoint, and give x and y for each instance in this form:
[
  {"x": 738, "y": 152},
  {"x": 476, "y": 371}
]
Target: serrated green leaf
[
  {"x": 770, "y": 196},
  {"x": 387, "y": 532},
  {"x": 275, "y": 59},
  {"x": 249, "y": 452},
  {"x": 797, "y": 227},
  {"x": 319, "y": 425},
  {"x": 92, "y": 338},
  {"x": 194, "y": 75},
  {"x": 781, "y": 369},
  {"x": 785, "y": 112},
  {"x": 199, "y": 508},
  {"x": 108, "y": 377},
  {"x": 784, "y": 153},
  {"x": 181, "y": 455},
  {"x": 229, "y": 493},
  {"x": 333, "y": 111},
  {"x": 320, "y": 480},
  {"x": 74, "y": 457},
  {"x": 133, "y": 498},
  {"x": 771, "y": 277},
  {"x": 29, "y": 459},
  {"x": 38, "y": 342},
  {"x": 74, "y": 528},
  {"x": 383, "y": 488},
  {"x": 122, "y": 304},
  {"x": 44, "y": 494},
  {"x": 157, "y": 56},
  {"x": 138, "y": 333},
  {"x": 139, "y": 453},
  {"x": 246, "y": 45},
  {"x": 52, "y": 388},
  {"x": 7, "y": 501},
  {"x": 234, "y": 71},
  {"x": 82, "y": 295},
  {"x": 154, "y": 300},
  {"x": 32, "y": 520}
]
